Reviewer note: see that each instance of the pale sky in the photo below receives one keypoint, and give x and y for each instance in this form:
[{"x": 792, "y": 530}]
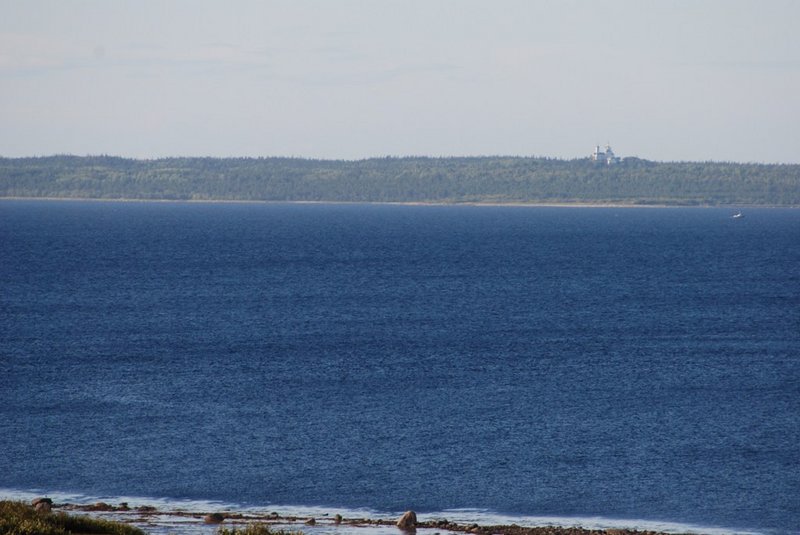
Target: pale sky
[{"x": 348, "y": 79}]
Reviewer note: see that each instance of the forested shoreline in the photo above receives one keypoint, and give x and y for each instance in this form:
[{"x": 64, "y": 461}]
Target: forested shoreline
[{"x": 488, "y": 179}]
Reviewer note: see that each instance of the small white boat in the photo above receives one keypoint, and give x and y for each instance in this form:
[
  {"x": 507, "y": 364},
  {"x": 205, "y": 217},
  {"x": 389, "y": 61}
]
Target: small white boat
[{"x": 737, "y": 215}]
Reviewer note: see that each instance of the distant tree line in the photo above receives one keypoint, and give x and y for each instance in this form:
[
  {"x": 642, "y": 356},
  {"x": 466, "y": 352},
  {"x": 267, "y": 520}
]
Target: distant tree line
[{"x": 408, "y": 179}]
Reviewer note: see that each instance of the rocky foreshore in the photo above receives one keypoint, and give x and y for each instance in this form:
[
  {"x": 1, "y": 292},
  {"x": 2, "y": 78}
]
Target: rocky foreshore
[{"x": 146, "y": 515}]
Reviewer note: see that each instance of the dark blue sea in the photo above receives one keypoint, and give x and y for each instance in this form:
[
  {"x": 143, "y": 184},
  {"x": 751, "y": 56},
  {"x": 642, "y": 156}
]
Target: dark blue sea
[{"x": 627, "y": 364}]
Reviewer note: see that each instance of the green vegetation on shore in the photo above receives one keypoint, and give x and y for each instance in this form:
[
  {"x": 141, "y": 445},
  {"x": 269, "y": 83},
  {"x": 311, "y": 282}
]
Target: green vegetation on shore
[
  {"x": 490, "y": 179},
  {"x": 17, "y": 518}
]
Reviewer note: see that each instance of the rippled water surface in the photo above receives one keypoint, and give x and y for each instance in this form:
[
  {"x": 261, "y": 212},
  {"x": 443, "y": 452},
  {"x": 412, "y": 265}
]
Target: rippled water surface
[{"x": 534, "y": 362}]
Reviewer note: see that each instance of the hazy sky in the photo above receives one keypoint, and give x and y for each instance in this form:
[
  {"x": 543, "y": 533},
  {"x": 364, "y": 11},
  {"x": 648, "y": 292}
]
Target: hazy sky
[{"x": 348, "y": 79}]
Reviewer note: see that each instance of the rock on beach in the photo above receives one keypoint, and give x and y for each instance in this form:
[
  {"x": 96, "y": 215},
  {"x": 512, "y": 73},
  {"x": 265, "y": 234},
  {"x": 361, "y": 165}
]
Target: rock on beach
[
  {"x": 214, "y": 518},
  {"x": 43, "y": 505},
  {"x": 408, "y": 520}
]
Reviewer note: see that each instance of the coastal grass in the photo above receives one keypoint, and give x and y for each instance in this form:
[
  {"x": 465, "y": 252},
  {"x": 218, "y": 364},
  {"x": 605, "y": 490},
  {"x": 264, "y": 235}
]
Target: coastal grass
[{"x": 18, "y": 518}]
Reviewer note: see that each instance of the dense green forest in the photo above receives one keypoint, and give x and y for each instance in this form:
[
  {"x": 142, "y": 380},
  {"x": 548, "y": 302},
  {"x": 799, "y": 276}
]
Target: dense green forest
[{"x": 409, "y": 179}]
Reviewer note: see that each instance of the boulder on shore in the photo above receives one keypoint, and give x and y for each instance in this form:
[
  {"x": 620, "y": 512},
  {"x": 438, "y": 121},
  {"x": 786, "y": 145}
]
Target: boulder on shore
[
  {"x": 408, "y": 520},
  {"x": 214, "y": 518},
  {"x": 43, "y": 505}
]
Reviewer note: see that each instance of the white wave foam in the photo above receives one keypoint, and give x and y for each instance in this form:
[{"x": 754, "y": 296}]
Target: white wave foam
[
  {"x": 164, "y": 504},
  {"x": 460, "y": 516},
  {"x": 485, "y": 517}
]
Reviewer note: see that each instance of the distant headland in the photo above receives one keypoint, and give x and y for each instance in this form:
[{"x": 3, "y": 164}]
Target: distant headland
[{"x": 601, "y": 178}]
